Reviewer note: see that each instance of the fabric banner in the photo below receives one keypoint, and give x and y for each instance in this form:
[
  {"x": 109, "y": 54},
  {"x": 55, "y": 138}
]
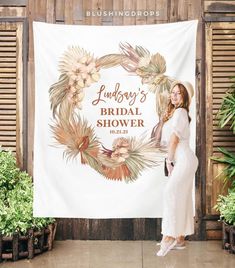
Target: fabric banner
[{"x": 99, "y": 92}]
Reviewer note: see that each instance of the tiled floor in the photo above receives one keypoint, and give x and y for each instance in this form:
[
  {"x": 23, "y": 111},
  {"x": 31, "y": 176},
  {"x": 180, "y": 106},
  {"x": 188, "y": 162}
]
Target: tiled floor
[{"x": 127, "y": 254}]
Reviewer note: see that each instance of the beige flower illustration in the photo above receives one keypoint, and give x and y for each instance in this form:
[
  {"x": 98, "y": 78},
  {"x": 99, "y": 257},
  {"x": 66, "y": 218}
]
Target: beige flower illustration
[
  {"x": 76, "y": 96},
  {"x": 120, "y": 155},
  {"x": 80, "y": 67},
  {"x": 120, "y": 150},
  {"x": 120, "y": 142}
]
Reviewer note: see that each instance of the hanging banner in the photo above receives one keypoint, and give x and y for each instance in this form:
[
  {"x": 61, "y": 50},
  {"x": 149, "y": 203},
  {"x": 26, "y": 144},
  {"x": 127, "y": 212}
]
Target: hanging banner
[{"x": 99, "y": 93}]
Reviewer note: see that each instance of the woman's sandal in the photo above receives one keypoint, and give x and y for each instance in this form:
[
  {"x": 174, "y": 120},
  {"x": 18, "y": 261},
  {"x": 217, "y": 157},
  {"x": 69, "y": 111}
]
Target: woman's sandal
[
  {"x": 166, "y": 247},
  {"x": 179, "y": 245}
]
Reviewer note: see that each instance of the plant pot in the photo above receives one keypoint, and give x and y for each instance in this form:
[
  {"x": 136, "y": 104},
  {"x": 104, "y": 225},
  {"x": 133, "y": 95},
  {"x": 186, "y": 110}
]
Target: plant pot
[
  {"x": 228, "y": 240},
  {"x": 34, "y": 242}
]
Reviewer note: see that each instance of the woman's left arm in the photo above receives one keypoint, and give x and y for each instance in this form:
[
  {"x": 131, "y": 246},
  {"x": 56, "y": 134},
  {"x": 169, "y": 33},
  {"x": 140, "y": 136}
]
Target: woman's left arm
[{"x": 174, "y": 140}]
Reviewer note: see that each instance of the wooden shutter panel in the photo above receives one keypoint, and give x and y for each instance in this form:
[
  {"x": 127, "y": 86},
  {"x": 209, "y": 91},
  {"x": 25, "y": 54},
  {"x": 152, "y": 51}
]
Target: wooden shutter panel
[
  {"x": 223, "y": 67},
  {"x": 11, "y": 88},
  {"x": 220, "y": 66}
]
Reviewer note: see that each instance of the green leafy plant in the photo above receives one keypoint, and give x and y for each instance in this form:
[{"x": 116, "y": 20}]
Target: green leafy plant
[
  {"x": 226, "y": 114},
  {"x": 229, "y": 171},
  {"x": 8, "y": 171},
  {"x": 16, "y": 199},
  {"x": 226, "y": 206}
]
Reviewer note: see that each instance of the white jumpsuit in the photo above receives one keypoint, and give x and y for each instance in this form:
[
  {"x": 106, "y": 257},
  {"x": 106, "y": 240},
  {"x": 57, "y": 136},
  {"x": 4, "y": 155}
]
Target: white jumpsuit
[{"x": 177, "y": 197}]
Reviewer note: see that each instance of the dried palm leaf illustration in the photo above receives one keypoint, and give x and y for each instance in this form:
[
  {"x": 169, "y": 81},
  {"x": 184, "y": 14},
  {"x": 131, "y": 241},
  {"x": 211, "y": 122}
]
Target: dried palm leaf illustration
[
  {"x": 143, "y": 154},
  {"x": 119, "y": 173},
  {"x": 78, "y": 138},
  {"x": 110, "y": 60}
]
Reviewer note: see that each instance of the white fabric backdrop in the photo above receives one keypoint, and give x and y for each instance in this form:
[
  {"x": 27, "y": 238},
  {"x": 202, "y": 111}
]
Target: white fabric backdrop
[{"x": 69, "y": 189}]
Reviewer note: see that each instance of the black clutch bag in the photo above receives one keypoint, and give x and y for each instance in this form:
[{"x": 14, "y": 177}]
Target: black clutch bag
[{"x": 165, "y": 168}]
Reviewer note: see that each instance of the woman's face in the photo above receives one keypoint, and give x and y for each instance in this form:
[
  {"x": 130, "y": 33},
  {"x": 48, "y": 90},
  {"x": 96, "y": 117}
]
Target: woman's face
[{"x": 176, "y": 96}]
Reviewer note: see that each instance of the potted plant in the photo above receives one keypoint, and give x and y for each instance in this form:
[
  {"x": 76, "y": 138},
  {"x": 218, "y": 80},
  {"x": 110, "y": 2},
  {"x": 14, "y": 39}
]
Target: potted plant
[
  {"x": 21, "y": 234},
  {"x": 226, "y": 204}
]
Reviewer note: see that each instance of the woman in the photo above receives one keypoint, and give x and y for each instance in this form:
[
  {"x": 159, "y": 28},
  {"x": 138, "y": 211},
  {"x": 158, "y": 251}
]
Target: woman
[{"x": 181, "y": 164}]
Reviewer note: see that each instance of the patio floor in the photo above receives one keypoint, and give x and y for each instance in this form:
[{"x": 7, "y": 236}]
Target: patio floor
[{"x": 127, "y": 254}]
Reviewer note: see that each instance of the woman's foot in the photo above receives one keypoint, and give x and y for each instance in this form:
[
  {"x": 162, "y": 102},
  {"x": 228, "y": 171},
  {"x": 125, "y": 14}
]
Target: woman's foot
[
  {"x": 179, "y": 245},
  {"x": 180, "y": 242},
  {"x": 166, "y": 246}
]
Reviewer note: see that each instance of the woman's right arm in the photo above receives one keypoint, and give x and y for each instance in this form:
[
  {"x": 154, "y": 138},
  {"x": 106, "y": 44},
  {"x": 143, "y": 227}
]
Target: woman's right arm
[{"x": 174, "y": 140}]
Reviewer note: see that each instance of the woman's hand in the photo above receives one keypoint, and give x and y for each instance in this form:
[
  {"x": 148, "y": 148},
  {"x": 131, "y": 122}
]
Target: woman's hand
[
  {"x": 174, "y": 140},
  {"x": 169, "y": 167}
]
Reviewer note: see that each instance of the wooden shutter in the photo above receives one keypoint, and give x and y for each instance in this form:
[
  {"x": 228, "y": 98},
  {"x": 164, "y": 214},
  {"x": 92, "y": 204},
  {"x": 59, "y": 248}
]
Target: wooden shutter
[
  {"x": 11, "y": 88},
  {"x": 220, "y": 66}
]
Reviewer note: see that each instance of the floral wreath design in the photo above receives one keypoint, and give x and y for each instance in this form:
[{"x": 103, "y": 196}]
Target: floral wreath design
[{"x": 78, "y": 70}]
